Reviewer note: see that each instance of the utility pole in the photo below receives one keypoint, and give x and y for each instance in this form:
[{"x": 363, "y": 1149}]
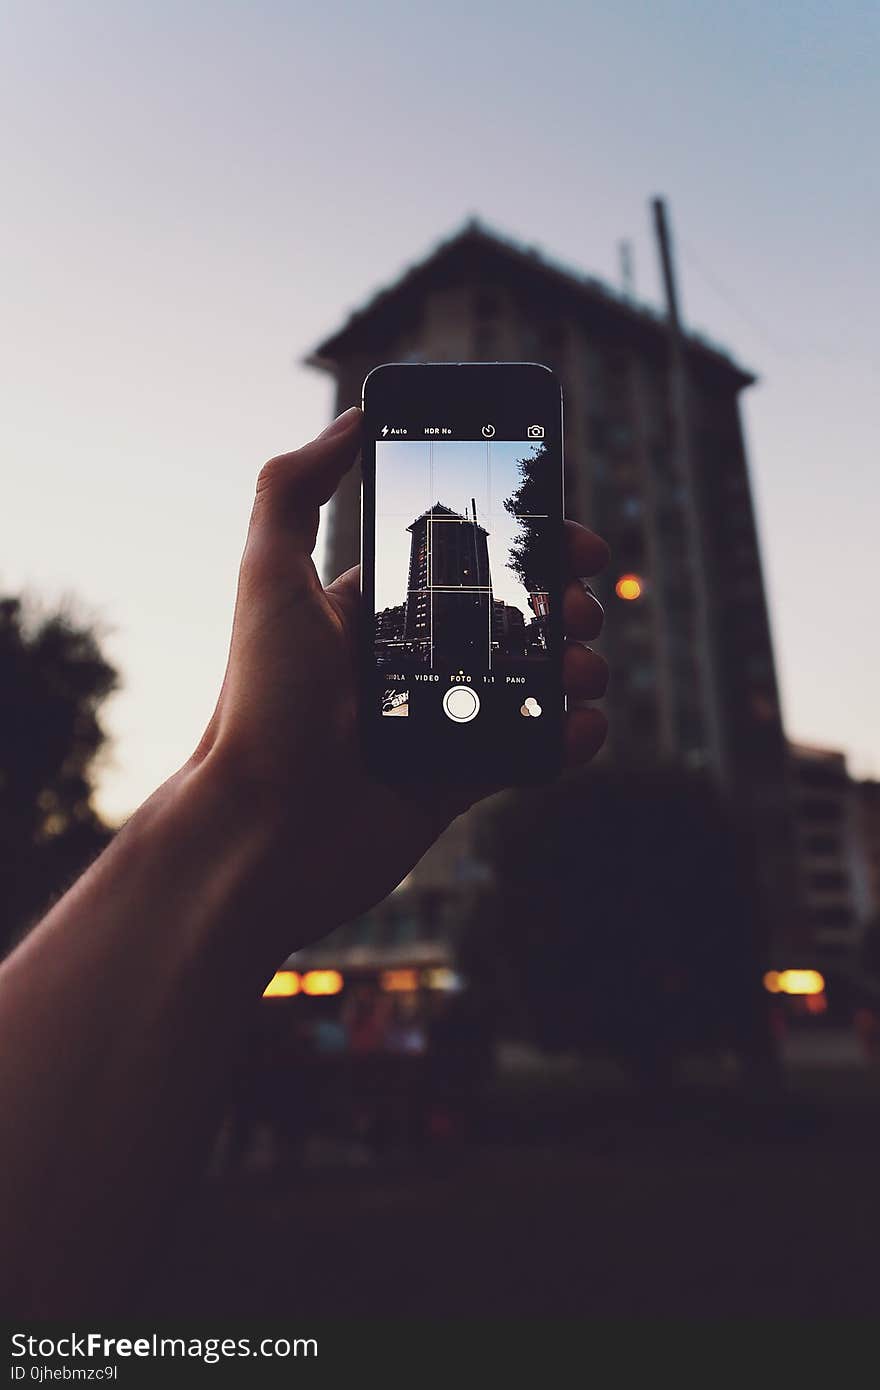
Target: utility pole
[
  {"x": 627, "y": 269},
  {"x": 688, "y": 470}
]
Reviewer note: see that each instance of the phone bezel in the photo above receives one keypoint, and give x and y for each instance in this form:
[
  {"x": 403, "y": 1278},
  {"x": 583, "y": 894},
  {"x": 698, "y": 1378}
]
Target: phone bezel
[{"x": 426, "y": 390}]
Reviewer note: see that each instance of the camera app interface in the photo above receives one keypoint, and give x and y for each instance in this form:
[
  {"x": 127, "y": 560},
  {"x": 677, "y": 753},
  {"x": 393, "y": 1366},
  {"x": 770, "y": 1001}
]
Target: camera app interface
[{"x": 463, "y": 556}]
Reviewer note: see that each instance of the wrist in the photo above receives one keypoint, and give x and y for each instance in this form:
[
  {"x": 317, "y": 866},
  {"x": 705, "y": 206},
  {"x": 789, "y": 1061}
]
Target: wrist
[
  {"x": 226, "y": 836},
  {"x": 250, "y": 845}
]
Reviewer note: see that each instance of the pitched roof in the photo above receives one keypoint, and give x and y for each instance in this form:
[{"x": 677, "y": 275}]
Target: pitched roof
[
  {"x": 475, "y": 242},
  {"x": 440, "y": 510}
]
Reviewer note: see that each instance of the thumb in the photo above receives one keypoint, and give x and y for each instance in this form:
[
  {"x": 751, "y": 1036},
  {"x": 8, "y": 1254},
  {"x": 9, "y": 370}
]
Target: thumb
[
  {"x": 346, "y": 594},
  {"x": 292, "y": 487}
]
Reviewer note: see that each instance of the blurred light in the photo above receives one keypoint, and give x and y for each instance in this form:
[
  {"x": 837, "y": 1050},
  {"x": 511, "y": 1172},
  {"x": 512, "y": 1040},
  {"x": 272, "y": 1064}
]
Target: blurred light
[
  {"x": 794, "y": 982},
  {"x": 801, "y": 982},
  {"x": 816, "y": 1003},
  {"x": 398, "y": 980},
  {"x": 322, "y": 982},
  {"x": 282, "y": 984},
  {"x": 628, "y": 586},
  {"x": 441, "y": 977}
]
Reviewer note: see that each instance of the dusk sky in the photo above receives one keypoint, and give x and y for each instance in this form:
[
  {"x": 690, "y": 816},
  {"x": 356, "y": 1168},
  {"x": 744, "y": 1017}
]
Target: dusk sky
[{"x": 196, "y": 193}]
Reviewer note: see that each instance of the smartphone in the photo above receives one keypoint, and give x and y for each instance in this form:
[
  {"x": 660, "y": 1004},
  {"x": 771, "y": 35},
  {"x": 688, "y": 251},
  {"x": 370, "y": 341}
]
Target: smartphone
[{"x": 461, "y": 573}]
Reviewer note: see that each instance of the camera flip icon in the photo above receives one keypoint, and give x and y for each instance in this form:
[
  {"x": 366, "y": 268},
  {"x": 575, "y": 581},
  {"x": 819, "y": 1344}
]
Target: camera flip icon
[{"x": 535, "y": 432}]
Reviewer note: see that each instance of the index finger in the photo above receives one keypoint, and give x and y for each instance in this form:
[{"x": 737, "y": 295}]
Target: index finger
[{"x": 585, "y": 552}]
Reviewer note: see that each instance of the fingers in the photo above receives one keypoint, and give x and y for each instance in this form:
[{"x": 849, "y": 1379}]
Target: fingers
[
  {"x": 291, "y": 487},
  {"x": 585, "y": 731},
  {"x": 582, "y": 613},
  {"x": 584, "y": 672},
  {"x": 585, "y": 552}
]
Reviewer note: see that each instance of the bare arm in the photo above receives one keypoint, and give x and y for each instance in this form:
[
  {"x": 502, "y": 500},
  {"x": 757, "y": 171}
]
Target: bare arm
[
  {"x": 118, "y": 1018},
  {"x": 122, "y": 1011}
]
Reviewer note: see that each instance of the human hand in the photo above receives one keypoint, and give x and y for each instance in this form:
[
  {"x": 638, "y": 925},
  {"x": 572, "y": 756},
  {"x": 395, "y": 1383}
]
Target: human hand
[{"x": 283, "y": 738}]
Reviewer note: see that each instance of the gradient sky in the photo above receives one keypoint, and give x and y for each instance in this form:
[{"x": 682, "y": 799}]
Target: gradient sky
[{"x": 194, "y": 193}]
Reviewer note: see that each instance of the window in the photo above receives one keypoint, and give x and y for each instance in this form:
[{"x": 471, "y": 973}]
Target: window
[
  {"x": 735, "y": 483},
  {"x": 744, "y": 588},
  {"x": 616, "y": 364},
  {"x": 738, "y": 516},
  {"x": 661, "y": 459},
  {"x": 820, "y": 808},
  {"x": 759, "y": 667},
  {"x": 486, "y": 305},
  {"x": 405, "y": 929},
  {"x": 832, "y": 881},
  {"x": 485, "y": 341},
  {"x": 833, "y": 918},
  {"x": 820, "y": 774},
  {"x": 835, "y": 950},
  {"x": 822, "y": 844},
  {"x": 642, "y": 677}
]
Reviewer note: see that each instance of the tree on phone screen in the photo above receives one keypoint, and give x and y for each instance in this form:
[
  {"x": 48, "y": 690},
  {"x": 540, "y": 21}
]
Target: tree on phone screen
[{"x": 530, "y": 555}]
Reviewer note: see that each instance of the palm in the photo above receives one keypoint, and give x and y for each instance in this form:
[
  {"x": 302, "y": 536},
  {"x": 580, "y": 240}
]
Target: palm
[{"x": 287, "y": 712}]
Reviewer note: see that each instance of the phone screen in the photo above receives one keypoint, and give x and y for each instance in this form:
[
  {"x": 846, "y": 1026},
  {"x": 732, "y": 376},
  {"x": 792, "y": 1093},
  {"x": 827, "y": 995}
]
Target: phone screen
[{"x": 461, "y": 571}]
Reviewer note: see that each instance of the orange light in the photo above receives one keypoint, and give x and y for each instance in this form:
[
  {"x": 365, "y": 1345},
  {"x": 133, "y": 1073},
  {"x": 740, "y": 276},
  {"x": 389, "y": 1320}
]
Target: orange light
[
  {"x": 794, "y": 982},
  {"x": 322, "y": 982},
  {"x": 628, "y": 586},
  {"x": 282, "y": 985},
  {"x": 395, "y": 981},
  {"x": 801, "y": 982},
  {"x": 816, "y": 1003}
]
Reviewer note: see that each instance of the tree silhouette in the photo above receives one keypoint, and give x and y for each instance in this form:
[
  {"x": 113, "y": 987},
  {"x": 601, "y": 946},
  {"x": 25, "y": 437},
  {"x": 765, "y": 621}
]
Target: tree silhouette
[
  {"x": 53, "y": 679},
  {"x": 623, "y": 918},
  {"x": 531, "y": 557}
]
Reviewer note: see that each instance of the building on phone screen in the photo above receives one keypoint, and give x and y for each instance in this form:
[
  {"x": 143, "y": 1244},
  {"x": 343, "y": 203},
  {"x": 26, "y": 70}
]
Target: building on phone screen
[{"x": 449, "y": 590}]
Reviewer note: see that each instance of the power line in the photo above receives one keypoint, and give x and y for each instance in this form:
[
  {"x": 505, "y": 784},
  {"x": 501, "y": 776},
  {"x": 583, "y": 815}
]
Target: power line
[{"x": 732, "y": 300}]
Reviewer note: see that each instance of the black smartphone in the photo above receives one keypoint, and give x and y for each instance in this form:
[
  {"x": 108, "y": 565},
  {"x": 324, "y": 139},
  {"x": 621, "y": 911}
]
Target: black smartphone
[{"x": 461, "y": 573}]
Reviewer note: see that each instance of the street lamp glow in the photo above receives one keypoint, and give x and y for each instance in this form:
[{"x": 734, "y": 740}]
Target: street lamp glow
[
  {"x": 400, "y": 981},
  {"x": 794, "y": 982},
  {"x": 322, "y": 982},
  {"x": 628, "y": 587},
  {"x": 801, "y": 982},
  {"x": 282, "y": 985}
]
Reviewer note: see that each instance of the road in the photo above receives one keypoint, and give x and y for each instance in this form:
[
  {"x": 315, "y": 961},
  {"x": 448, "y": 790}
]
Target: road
[{"x": 597, "y": 1203}]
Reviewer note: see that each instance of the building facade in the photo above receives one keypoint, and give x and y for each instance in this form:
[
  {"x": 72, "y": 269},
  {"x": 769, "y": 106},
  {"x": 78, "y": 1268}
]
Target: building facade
[
  {"x": 687, "y": 632},
  {"x": 868, "y": 815},
  {"x": 509, "y": 629},
  {"x": 449, "y": 591},
  {"x": 834, "y": 852},
  {"x": 390, "y": 623}
]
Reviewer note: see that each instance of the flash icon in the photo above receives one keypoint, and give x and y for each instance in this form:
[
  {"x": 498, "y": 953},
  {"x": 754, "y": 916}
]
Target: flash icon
[{"x": 384, "y": 431}]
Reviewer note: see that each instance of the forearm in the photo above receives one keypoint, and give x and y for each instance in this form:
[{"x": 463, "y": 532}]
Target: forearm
[{"x": 119, "y": 1015}]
